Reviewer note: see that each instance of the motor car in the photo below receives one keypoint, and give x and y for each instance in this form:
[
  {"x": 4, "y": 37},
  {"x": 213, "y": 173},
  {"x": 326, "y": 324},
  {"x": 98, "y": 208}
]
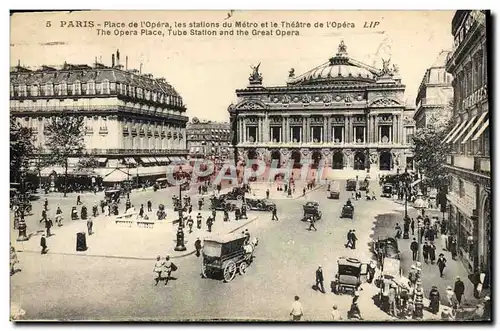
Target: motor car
[
  {"x": 351, "y": 185},
  {"x": 387, "y": 190},
  {"x": 348, "y": 276},
  {"x": 260, "y": 204},
  {"x": 347, "y": 211},
  {"x": 237, "y": 193},
  {"x": 334, "y": 192},
  {"x": 311, "y": 209}
]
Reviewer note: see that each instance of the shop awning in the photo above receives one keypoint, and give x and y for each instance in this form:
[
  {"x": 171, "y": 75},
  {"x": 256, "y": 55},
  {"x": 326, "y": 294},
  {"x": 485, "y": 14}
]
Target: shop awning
[
  {"x": 183, "y": 158},
  {"x": 465, "y": 128},
  {"x": 451, "y": 137},
  {"x": 174, "y": 158},
  {"x": 102, "y": 159},
  {"x": 130, "y": 160},
  {"x": 451, "y": 132},
  {"x": 117, "y": 175},
  {"x": 474, "y": 128},
  {"x": 480, "y": 132},
  {"x": 152, "y": 160},
  {"x": 145, "y": 160}
]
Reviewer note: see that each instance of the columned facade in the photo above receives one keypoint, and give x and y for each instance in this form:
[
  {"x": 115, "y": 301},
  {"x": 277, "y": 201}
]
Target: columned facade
[{"x": 346, "y": 114}]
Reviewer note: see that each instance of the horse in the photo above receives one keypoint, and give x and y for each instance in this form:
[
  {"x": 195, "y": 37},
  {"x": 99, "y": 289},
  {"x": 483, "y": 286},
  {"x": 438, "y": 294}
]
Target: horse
[{"x": 250, "y": 248}]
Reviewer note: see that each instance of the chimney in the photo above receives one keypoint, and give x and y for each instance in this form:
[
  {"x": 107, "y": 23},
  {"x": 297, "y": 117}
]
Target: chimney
[
  {"x": 126, "y": 62},
  {"x": 140, "y": 68},
  {"x": 118, "y": 56},
  {"x": 112, "y": 60}
]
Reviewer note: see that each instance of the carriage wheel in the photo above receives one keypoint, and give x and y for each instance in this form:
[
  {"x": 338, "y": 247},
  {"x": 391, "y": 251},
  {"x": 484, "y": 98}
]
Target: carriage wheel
[
  {"x": 243, "y": 268},
  {"x": 229, "y": 271},
  {"x": 249, "y": 206},
  {"x": 260, "y": 206}
]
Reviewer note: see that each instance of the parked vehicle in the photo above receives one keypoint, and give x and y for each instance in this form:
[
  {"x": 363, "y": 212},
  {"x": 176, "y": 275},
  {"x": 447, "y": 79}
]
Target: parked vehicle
[
  {"x": 351, "y": 185},
  {"x": 163, "y": 182},
  {"x": 387, "y": 190},
  {"x": 334, "y": 190},
  {"x": 237, "y": 193},
  {"x": 348, "y": 277},
  {"x": 260, "y": 204},
  {"x": 220, "y": 203},
  {"x": 112, "y": 196},
  {"x": 227, "y": 254},
  {"x": 311, "y": 209}
]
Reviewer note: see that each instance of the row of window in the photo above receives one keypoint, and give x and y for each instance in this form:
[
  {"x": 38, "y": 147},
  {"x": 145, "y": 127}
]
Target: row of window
[
  {"x": 471, "y": 78},
  {"x": 92, "y": 88},
  {"x": 462, "y": 32}
]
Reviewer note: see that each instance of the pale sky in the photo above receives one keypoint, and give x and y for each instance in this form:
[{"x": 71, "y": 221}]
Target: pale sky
[{"x": 207, "y": 70}]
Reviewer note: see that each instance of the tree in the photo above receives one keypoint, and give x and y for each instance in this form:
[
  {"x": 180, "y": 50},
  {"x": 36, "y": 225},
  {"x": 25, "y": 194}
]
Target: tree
[
  {"x": 21, "y": 148},
  {"x": 64, "y": 136},
  {"x": 430, "y": 155}
]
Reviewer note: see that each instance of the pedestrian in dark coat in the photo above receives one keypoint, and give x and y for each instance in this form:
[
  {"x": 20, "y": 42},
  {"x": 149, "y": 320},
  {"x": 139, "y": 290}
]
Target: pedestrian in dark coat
[
  {"x": 432, "y": 253},
  {"x": 94, "y": 210},
  {"x": 412, "y": 225},
  {"x": 349, "y": 241},
  {"x": 319, "y": 280},
  {"x": 425, "y": 252},
  {"x": 441, "y": 262},
  {"x": 432, "y": 234},
  {"x": 78, "y": 200},
  {"x": 311, "y": 224},
  {"x": 459, "y": 289},
  {"x": 141, "y": 211},
  {"x": 198, "y": 220},
  {"x": 150, "y": 205},
  {"x": 90, "y": 224},
  {"x": 197, "y": 246},
  {"x": 353, "y": 239},
  {"x": 414, "y": 249},
  {"x": 267, "y": 194},
  {"x": 210, "y": 222},
  {"x": 453, "y": 248},
  {"x": 43, "y": 243},
  {"x": 44, "y": 216},
  {"x": 275, "y": 216},
  {"x": 434, "y": 298}
]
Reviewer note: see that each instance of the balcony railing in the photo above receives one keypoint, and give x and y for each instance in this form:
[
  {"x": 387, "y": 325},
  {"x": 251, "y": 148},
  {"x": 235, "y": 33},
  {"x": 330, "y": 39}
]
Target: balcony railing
[{"x": 97, "y": 108}]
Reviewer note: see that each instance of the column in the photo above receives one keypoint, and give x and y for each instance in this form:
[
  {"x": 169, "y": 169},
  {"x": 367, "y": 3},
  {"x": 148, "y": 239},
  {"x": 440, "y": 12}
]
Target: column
[
  {"x": 261, "y": 129},
  {"x": 324, "y": 134},
  {"x": 303, "y": 133},
  {"x": 364, "y": 134},
  {"x": 370, "y": 129},
  {"x": 393, "y": 134},
  {"x": 345, "y": 132},
  {"x": 282, "y": 130},
  {"x": 390, "y": 133},
  {"x": 351, "y": 130},
  {"x": 329, "y": 129},
  {"x": 245, "y": 137}
]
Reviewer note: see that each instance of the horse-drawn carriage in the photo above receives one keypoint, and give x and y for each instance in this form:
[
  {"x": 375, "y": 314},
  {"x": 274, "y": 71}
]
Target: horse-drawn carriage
[
  {"x": 227, "y": 254},
  {"x": 311, "y": 209}
]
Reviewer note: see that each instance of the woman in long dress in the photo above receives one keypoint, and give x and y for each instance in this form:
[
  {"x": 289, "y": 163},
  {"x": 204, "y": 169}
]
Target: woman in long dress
[{"x": 158, "y": 268}]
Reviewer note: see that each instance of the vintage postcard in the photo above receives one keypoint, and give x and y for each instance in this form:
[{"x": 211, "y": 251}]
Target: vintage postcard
[{"x": 250, "y": 166}]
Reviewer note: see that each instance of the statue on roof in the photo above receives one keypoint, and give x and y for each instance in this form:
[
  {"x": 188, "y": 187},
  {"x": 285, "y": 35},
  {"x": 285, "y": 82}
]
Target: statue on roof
[
  {"x": 291, "y": 73},
  {"x": 395, "y": 68},
  {"x": 255, "y": 76},
  {"x": 385, "y": 66},
  {"x": 342, "y": 47}
]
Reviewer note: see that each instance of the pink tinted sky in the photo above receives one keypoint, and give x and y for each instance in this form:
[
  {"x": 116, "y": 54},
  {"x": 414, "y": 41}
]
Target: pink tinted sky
[{"x": 207, "y": 70}]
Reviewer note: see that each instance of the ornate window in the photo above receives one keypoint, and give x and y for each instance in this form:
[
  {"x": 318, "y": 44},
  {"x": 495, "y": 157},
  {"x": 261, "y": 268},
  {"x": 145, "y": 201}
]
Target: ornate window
[
  {"x": 22, "y": 90},
  {"x": 49, "y": 89},
  {"x": 105, "y": 87},
  {"x": 91, "y": 88},
  {"x": 77, "y": 88},
  {"x": 98, "y": 88},
  {"x": 34, "y": 90}
]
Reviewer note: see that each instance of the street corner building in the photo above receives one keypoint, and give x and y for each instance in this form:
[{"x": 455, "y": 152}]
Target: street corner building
[
  {"x": 348, "y": 115},
  {"x": 209, "y": 140},
  {"x": 134, "y": 123},
  {"x": 469, "y": 189}
]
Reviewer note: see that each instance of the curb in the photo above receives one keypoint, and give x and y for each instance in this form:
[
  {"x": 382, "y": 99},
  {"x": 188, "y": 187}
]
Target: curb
[
  {"x": 310, "y": 191},
  {"x": 132, "y": 257}
]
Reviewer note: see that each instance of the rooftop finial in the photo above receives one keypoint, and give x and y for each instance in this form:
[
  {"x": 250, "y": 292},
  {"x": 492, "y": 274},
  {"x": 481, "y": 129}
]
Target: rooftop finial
[{"x": 342, "y": 49}]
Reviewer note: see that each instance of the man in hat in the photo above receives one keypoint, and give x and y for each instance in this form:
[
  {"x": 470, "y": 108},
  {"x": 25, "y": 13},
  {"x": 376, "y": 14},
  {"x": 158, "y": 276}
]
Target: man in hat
[
  {"x": 90, "y": 224},
  {"x": 319, "y": 280},
  {"x": 414, "y": 249},
  {"x": 311, "y": 223},
  {"x": 432, "y": 252},
  {"x": 297, "y": 310},
  {"x": 198, "y": 220},
  {"x": 425, "y": 252},
  {"x": 275, "y": 215},
  {"x": 349, "y": 242},
  {"x": 441, "y": 263},
  {"x": 150, "y": 205},
  {"x": 459, "y": 289},
  {"x": 371, "y": 271}
]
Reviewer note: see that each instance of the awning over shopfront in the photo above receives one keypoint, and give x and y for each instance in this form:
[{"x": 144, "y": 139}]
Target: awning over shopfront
[
  {"x": 102, "y": 160},
  {"x": 451, "y": 137},
  {"x": 182, "y": 158},
  {"x": 465, "y": 128},
  {"x": 451, "y": 132},
  {"x": 145, "y": 160},
  {"x": 480, "y": 132},
  {"x": 116, "y": 175},
  {"x": 175, "y": 158},
  {"x": 474, "y": 128},
  {"x": 130, "y": 160}
]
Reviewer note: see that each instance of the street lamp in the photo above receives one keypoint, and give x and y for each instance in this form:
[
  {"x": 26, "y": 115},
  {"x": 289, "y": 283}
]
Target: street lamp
[
  {"x": 406, "y": 183},
  {"x": 180, "y": 233},
  {"x": 419, "y": 204},
  {"x": 22, "y": 207}
]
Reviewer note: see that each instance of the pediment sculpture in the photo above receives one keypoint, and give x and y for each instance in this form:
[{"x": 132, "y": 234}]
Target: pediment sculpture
[
  {"x": 251, "y": 105},
  {"x": 385, "y": 102}
]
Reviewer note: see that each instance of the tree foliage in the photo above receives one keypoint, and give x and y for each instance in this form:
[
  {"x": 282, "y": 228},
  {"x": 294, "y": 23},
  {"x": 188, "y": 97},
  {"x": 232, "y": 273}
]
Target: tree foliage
[
  {"x": 21, "y": 148},
  {"x": 430, "y": 155},
  {"x": 64, "y": 138}
]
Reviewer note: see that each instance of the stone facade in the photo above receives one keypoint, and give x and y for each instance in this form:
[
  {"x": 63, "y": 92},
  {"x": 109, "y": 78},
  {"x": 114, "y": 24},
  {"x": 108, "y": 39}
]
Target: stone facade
[
  {"x": 209, "y": 139},
  {"x": 343, "y": 113}
]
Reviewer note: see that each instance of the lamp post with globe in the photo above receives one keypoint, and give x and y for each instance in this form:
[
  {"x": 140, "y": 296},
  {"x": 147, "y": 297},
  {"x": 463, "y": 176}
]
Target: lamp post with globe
[
  {"x": 405, "y": 179},
  {"x": 421, "y": 205},
  {"x": 23, "y": 204},
  {"x": 180, "y": 232}
]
